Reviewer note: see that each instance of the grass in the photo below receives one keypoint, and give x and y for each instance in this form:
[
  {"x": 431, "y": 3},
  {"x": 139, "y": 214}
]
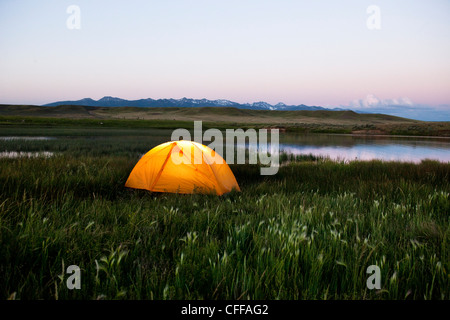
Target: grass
[
  {"x": 309, "y": 232},
  {"x": 321, "y": 121}
]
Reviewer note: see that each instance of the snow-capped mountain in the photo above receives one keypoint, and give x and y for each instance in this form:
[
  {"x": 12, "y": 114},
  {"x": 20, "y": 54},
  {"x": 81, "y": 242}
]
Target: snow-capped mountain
[
  {"x": 184, "y": 102},
  {"x": 262, "y": 105}
]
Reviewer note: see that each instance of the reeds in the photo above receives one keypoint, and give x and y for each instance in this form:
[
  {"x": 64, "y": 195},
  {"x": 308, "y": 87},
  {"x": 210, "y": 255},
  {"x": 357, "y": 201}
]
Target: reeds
[{"x": 309, "y": 232}]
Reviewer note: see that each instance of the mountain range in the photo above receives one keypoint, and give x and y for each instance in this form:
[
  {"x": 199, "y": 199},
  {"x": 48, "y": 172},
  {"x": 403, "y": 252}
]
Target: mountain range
[
  {"x": 410, "y": 111},
  {"x": 184, "y": 102}
]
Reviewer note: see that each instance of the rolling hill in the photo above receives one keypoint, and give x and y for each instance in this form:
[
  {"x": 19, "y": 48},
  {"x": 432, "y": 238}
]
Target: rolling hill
[{"x": 325, "y": 121}]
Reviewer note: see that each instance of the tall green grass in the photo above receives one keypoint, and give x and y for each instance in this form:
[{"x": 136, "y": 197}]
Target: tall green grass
[{"x": 309, "y": 232}]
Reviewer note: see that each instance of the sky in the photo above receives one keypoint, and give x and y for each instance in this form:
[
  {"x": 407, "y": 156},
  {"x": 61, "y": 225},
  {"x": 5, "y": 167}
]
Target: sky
[{"x": 348, "y": 53}]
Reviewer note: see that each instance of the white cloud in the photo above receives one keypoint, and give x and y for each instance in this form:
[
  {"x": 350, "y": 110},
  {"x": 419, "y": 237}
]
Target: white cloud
[
  {"x": 400, "y": 107},
  {"x": 371, "y": 101}
]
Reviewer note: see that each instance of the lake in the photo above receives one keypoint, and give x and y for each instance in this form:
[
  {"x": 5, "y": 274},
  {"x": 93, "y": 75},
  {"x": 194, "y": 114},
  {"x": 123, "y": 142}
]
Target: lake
[
  {"x": 353, "y": 147},
  {"x": 339, "y": 147},
  {"x": 26, "y": 138}
]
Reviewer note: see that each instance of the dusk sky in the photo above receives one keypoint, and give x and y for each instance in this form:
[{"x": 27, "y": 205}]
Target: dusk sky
[{"x": 297, "y": 52}]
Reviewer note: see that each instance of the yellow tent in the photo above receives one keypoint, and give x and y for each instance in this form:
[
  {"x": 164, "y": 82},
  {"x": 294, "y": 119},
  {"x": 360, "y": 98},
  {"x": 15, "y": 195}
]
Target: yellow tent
[{"x": 182, "y": 167}]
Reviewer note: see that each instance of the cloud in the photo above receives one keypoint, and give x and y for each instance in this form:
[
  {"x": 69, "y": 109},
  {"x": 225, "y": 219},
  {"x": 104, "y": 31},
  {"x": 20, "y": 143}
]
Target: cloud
[
  {"x": 371, "y": 101},
  {"x": 400, "y": 107}
]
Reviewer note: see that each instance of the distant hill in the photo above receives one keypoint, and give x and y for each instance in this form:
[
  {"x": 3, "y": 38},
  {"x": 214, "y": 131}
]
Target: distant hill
[
  {"x": 212, "y": 114},
  {"x": 183, "y": 103},
  {"x": 323, "y": 121}
]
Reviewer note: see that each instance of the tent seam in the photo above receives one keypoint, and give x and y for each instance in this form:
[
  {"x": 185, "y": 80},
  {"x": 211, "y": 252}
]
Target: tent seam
[
  {"x": 162, "y": 167},
  {"x": 209, "y": 166}
]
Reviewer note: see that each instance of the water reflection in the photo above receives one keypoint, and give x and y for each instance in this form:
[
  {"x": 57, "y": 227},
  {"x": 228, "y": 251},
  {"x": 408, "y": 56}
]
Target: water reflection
[
  {"x": 345, "y": 147},
  {"x": 9, "y": 138},
  {"x": 20, "y": 154}
]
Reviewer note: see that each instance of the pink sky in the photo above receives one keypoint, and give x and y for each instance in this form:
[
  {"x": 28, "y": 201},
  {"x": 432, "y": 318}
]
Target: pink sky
[{"x": 296, "y": 52}]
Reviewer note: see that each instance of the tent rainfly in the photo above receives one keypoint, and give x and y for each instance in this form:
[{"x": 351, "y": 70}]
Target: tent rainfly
[{"x": 182, "y": 167}]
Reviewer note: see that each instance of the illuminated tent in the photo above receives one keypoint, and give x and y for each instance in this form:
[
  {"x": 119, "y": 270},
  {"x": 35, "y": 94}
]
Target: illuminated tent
[{"x": 182, "y": 167}]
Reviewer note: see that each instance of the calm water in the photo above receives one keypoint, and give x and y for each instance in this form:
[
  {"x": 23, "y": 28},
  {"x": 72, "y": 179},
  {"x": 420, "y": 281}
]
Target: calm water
[
  {"x": 347, "y": 147},
  {"x": 333, "y": 146},
  {"x": 25, "y": 138},
  {"x": 20, "y": 154}
]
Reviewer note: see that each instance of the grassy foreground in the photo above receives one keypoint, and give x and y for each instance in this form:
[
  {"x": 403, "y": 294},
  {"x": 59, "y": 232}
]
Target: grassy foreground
[{"x": 309, "y": 232}]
